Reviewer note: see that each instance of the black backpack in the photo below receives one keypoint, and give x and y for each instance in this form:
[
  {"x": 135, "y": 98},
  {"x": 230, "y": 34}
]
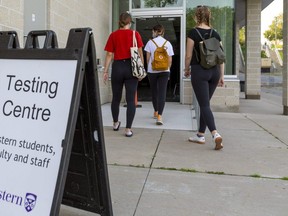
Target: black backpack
[{"x": 211, "y": 51}]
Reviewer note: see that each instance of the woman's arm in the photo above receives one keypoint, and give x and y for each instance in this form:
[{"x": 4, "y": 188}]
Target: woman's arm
[
  {"x": 170, "y": 61},
  {"x": 108, "y": 59},
  {"x": 221, "y": 80},
  {"x": 148, "y": 55},
  {"x": 140, "y": 51},
  {"x": 188, "y": 56},
  {"x": 221, "y": 67}
]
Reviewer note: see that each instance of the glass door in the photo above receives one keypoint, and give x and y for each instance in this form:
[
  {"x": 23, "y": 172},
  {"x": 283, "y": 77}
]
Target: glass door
[{"x": 172, "y": 25}]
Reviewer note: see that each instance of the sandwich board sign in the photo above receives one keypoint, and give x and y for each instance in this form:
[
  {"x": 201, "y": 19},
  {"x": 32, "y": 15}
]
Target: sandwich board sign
[{"x": 51, "y": 136}]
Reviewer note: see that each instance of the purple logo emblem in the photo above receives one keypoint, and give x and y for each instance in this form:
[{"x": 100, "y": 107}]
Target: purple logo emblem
[{"x": 30, "y": 201}]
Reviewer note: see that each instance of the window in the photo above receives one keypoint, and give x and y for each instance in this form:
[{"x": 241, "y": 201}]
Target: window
[
  {"x": 156, "y": 3},
  {"x": 222, "y": 21}
]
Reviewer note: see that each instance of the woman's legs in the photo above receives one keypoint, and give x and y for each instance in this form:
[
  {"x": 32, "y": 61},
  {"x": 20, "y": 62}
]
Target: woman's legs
[
  {"x": 154, "y": 90},
  {"x": 162, "y": 90},
  {"x": 122, "y": 74},
  {"x": 131, "y": 88},
  {"x": 117, "y": 81},
  {"x": 158, "y": 84},
  {"x": 204, "y": 83}
]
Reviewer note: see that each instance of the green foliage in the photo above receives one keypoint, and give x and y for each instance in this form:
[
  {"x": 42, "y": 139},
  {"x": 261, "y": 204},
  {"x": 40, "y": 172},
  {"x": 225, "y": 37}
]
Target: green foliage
[
  {"x": 275, "y": 29},
  {"x": 215, "y": 173},
  {"x": 255, "y": 175},
  {"x": 242, "y": 38},
  {"x": 220, "y": 16},
  {"x": 263, "y": 54},
  {"x": 188, "y": 170},
  {"x": 158, "y": 3},
  {"x": 281, "y": 53}
]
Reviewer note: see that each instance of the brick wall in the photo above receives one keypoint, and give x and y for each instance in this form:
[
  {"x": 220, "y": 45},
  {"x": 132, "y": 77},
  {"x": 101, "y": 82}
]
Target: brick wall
[
  {"x": 224, "y": 99},
  {"x": 66, "y": 14},
  {"x": 253, "y": 49},
  {"x": 11, "y": 17},
  {"x": 62, "y": 15}
]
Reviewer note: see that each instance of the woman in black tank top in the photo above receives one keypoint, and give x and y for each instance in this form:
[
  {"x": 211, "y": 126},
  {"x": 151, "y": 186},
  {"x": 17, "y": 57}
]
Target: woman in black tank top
[{"x": 204, "y": 81}]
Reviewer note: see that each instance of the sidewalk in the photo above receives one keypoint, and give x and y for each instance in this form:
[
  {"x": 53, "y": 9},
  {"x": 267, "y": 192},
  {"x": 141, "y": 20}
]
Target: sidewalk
[{"x": 158, "y": 172}]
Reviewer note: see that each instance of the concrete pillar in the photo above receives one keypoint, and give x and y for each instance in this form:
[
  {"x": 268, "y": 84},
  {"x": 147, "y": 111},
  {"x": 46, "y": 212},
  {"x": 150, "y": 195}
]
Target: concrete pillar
[
  {"x": 285, "y": 58},
  {"x": 253, "y": 49}
]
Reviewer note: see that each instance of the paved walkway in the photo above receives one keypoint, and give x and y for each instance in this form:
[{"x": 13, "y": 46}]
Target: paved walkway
[{"x": 158, "y": 172}]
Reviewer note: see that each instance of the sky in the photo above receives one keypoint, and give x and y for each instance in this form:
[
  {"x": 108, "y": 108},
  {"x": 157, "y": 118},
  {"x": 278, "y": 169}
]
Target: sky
[{"x": 268, "y": 14}]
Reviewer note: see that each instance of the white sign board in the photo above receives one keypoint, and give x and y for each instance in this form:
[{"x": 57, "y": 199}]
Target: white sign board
[{"x": 35, "y": 100}]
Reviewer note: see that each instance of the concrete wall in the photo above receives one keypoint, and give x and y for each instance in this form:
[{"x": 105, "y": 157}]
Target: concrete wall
[
  {"x": 62, "y": 15},
  {"x": 11, "y": 17},
  {"x": 227, "y": 98},
  {"x": 66, "y": 14},
  {"x": 224, "y": 99},
  {"x": 253, "y": 49}
]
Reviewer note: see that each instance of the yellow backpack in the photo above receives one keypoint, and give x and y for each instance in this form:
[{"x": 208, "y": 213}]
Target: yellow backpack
[{"x": 160, "y": 61}]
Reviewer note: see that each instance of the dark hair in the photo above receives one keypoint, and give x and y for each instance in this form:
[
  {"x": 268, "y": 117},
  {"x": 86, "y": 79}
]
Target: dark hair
[
  {"x": 203, "y": 15},
  {"x": 124, "y": 19},
  {"x": 158, "y": 29}
]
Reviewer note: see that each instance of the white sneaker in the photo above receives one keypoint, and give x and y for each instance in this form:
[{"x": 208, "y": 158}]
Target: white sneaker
[
  {"x": 218, "y": 141},
  {"x": 197, "y": 139}
]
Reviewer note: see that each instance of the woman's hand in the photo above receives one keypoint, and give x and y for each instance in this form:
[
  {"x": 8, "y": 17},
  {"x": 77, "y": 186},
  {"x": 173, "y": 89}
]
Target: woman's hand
[
  {"x": 187, "y": 72},
  {"x": 221, "y": 82},
  {"x": 105, "y": 77}
]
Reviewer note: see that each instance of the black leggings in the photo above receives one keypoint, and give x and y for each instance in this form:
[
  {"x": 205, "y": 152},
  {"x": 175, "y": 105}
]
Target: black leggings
[
  {"x": 158, "y": 84},
  {"x": 204, "y": 83},
  {"x": 122, "y": 75}
]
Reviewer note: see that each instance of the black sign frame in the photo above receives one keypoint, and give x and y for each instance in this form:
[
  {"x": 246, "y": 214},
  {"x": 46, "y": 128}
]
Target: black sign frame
[{"x": 83, "y": 175}]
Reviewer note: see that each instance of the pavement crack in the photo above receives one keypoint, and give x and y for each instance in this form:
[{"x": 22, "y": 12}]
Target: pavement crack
[
  {"x": 148, "y": 173},
  {"x": 265, "y": 129}
]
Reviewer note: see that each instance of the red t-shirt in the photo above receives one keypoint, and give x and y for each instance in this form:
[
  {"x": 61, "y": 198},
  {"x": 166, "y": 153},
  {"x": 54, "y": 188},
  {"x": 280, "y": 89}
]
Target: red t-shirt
[{"x": 120, "y": 41}]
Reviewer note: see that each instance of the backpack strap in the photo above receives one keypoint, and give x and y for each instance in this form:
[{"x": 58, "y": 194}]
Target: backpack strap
[
  {"x": 197, "y": 55},
  {"x": 211, "y": 32},
  {"x": 155, "y": 43},
  {"x": 164, "y": 43},
  {"x": 210, "y": 35},
  {"x": 199, "y": 34}
]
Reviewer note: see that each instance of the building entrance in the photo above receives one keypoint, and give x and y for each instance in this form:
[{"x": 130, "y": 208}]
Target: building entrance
[{"x": 172, "y": 27}]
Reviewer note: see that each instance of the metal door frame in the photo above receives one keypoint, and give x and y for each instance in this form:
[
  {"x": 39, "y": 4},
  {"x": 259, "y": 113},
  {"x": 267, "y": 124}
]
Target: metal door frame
[{"x": 170, "y": 14}]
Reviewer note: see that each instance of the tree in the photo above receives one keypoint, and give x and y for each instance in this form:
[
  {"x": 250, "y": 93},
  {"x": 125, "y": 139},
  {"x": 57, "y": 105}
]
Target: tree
[
  {"x": 242, "y": 36},
  {"x": 242, "y": 39},
  {"x": 275, "y": 32}
]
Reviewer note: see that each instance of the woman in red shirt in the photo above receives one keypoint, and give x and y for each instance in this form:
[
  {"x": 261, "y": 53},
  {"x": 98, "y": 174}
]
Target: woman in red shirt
[{"x": 118, "y": 48}]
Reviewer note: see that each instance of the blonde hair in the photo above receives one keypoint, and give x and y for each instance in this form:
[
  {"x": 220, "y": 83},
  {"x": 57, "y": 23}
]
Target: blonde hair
[{"x": 203, "y": 15}]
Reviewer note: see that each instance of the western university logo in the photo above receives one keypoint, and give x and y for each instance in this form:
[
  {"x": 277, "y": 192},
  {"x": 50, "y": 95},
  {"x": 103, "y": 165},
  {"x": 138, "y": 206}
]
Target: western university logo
[{"x": 28, "y": 203}]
